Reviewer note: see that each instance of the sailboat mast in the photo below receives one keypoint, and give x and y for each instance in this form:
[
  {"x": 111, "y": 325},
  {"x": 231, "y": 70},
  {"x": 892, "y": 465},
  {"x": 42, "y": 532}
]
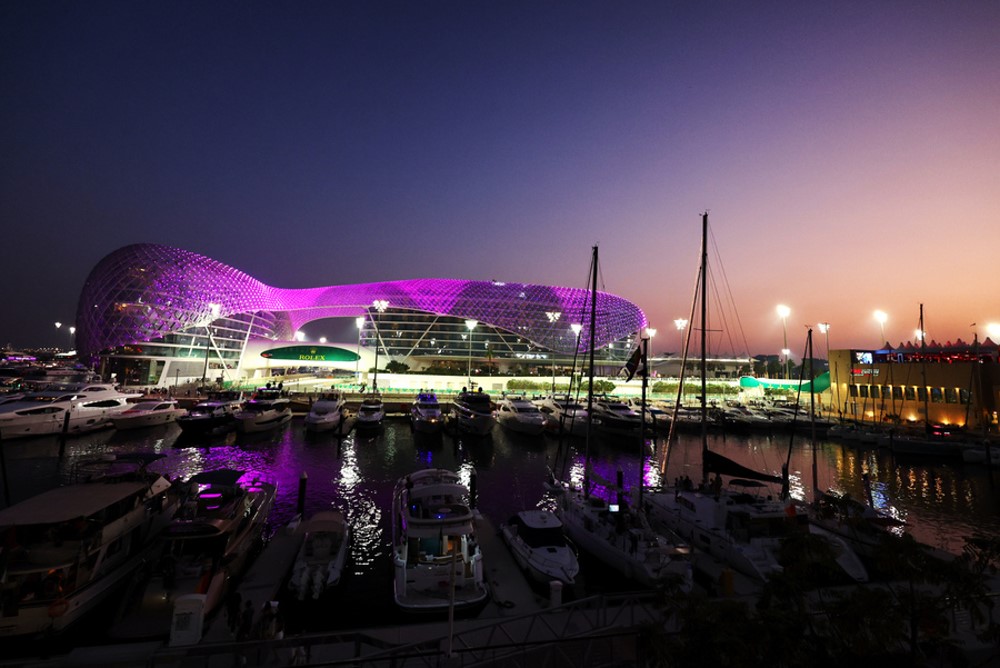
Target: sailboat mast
[
  {"x": 704, "y": 346},
  {"x": 590, "y": 372},
  {"x": 812, "y": 412}
]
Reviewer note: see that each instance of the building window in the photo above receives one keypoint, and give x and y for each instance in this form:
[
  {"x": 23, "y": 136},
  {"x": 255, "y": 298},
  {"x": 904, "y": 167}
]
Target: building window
[
  {"x": 950, "y": 395},
  {"x": 863, "y": 391},
  {"x": 964, "y": 396},
  {"x": 936, "y": 395},
  {"x": 922, "y": 394},
  {"x": 897, "y": 392},
  {"x": 910, "y": 392},
  {"x": 853, "y": 390}
]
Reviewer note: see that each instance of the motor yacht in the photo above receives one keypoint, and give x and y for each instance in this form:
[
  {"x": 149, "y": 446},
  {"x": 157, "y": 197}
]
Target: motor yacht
[
  {"x": 472, "y": 413},
  {"x": 614, "y": 418},
  {"x": 656, "y": 419},
  {"x": 425, "y": 414},
  {"x": 565, "y": 414},
  {"x": 437, "y": 560},
  {"x": 371, "y": 412},
  {"x": 207, "y": 546},
  {"x": 537, "y": 541},
  {"x": 69, "y": 549},
  {"x": 326, "y": 413},
  {"x": 148, "y": 414},
  {"x": 320, "y": 561},
  {"x": 73, "y": 409},
  {"x": 518, "y": 414},
  {"x": 212, "y": 416},
  {"x": 268, "y": 409}
]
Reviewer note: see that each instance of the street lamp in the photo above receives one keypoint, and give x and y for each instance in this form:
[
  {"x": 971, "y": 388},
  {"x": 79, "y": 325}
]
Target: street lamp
[
  {"x": 380, "y": 305},
  {"x": 650, "y": 333},
  {"x": 783, "y": 313},
  {"x": 681, "y": 324},
  {"x": 576, "y": 328},
  {"x": 360, "y": 323},
  {"x": 881, "y": 317},
  {"x": 471, "y": 325}
]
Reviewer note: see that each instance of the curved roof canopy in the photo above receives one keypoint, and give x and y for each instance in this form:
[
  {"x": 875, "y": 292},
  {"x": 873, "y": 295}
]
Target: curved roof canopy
[{"x": 145, "y": 291}]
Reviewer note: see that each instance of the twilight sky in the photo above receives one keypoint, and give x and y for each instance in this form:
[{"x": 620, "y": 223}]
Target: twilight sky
[{"x": 848, "y": 152}]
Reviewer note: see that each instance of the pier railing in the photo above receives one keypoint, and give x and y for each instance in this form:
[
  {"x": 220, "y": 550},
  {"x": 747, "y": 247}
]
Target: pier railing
[{"x": 594, "y": 631}]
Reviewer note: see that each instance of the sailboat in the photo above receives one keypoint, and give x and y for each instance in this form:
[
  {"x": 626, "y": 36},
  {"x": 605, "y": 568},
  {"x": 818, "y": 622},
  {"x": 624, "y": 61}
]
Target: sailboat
[
  {"x": 608, "y": 528},
  {"x": 742, "y": 525}
]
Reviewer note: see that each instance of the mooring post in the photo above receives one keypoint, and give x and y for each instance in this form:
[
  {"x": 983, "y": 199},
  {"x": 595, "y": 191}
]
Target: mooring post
[{"x": 302, "y": 494}]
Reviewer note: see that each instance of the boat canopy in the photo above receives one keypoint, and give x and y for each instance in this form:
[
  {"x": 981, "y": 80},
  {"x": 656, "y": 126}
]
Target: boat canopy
[{"x": 63, "y": 504}]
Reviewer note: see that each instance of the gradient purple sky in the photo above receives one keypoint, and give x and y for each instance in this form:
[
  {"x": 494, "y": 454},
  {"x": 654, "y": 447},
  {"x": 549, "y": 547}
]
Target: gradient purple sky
[{"x": 848, "y": 152}]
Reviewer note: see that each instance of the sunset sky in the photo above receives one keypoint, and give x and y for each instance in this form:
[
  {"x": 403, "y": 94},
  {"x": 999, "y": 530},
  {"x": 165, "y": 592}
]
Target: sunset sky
[{"x": 848, "y": 153}]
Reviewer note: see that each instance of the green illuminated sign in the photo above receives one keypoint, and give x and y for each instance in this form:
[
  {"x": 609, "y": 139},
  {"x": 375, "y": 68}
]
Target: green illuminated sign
[{"x": 310, "y": 354}]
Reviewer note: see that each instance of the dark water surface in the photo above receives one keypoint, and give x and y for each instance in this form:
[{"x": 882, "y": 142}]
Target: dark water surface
[{"x": 941, "y": 502}]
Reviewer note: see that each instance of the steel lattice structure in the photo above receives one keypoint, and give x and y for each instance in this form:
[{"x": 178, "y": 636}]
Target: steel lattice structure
[{"x": 144, "y": 292}]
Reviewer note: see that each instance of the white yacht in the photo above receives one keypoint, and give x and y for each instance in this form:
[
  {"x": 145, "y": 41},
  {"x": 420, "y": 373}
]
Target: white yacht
[
  {"x": 148, "y": 414},
  {"x": 371, "y": 413},
  {"x": 614, "y": 418},
  {"x": 537, "y": 541},
  {"x": 266, "y": 410},
  {"x": 656, "y": 418},
  {"x": 518, "y": 414},
  {"x": 70, "y": 548},
  {"x": 425, "y": 414},
  {"x": 472, "y": 413},
  {"x": 207, "y": 546},
  {"x": 437, "y": 561},
  {"x": 565, "y": 414},
  {"x": 320, "y": 562},
  {"x": 212, "y": 416},
  {"x": 326, "y": 413},
  {"x": 75, "y": 408}
]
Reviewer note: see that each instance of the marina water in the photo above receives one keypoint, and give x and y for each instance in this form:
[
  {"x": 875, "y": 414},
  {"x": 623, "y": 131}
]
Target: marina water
[{"x": 942, "y": 502}]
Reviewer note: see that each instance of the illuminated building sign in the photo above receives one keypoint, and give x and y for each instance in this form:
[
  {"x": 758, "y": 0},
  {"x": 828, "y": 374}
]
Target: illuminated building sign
[
  {"x": 864, "y": 372},
  {"x": 310, "y": 354}
]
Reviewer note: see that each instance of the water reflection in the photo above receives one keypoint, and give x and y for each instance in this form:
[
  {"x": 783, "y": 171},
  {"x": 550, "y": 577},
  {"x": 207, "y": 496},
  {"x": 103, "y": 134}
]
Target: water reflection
[{"x": 942, "y": 503}]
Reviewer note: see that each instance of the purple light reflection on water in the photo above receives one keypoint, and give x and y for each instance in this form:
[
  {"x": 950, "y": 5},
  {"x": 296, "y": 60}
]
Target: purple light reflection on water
[{"x": 942, "y": 503}]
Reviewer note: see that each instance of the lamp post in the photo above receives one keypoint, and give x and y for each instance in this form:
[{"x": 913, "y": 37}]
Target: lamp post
[
  {"x": 824, "y": 328},
  {"x": 360, "y": 323},
  {"x": 681, "y": 324},
  {"x": 783, "y": 313},
  {"x": 650, "y": 333},
  {"x": 471, "y": 325},
  {"x": 881, "y": 317},
  {"x": 380, "y": 305},
  {"x": 553, "y": 317},
  {"x": 576, "y": 328}
]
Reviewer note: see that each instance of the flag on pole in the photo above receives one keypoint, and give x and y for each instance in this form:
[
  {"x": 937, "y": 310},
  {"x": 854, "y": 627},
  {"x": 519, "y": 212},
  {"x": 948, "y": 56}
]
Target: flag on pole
[{"x": 632, "y": 365}]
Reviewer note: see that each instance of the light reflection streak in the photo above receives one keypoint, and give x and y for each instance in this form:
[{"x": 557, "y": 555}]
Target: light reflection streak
[{"x": 362, "y": 513}]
